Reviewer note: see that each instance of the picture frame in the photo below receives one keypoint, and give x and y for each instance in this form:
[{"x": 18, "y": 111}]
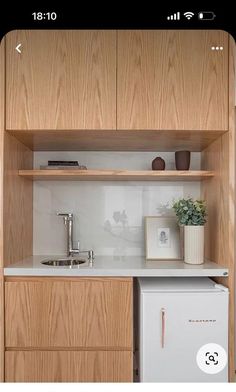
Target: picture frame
[{"x": 162, "y": 238}]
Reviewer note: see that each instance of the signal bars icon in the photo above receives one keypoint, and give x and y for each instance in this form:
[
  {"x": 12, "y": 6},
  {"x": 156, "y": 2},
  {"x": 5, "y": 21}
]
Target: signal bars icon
[{"x": 175, "y": 16}]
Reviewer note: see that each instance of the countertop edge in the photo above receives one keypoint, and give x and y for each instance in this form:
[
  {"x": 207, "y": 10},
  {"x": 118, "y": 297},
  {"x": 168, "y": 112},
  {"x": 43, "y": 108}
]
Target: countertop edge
[{"x": 130, "y": 273}]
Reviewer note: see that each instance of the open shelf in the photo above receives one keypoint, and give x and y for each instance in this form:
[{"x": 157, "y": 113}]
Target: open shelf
[
  {"x": 116, "y": 175},
  {"x": 116, "y": 140}
]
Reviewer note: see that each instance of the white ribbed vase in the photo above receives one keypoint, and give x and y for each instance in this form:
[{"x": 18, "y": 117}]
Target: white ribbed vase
[{"x": 194, "y": 244}]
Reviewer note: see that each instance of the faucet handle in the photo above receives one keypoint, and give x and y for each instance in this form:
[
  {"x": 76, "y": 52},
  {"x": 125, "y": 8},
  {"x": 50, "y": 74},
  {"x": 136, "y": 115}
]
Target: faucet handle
[
  {"x": 66, "y": 216},
  {"x": 91, "y": 255}
]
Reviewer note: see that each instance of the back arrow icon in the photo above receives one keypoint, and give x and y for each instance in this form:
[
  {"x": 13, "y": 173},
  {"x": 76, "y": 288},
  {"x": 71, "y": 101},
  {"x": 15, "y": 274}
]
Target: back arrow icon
[{"x": 18, "y": 48}]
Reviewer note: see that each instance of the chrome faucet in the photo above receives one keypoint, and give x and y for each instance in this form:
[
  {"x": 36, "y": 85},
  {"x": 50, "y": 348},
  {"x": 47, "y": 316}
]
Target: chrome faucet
[{"x": 68, "y": 220}]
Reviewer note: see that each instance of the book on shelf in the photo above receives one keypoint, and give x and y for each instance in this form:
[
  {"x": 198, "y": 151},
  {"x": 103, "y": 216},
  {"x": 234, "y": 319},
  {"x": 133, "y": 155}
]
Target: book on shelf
[
  {"x": 63, "y": 163},
  {"x": 62, "y": 167}
]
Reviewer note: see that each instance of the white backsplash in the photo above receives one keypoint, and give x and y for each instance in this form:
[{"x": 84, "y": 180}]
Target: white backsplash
[{"x": 108, "y": 216}]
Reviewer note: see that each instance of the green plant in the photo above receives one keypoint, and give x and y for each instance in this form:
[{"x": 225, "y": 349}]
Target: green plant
[{"x": 190, "y": 212}]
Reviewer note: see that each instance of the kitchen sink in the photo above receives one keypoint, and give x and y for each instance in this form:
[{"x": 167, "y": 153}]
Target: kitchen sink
[{"x": 63, "y": 262}]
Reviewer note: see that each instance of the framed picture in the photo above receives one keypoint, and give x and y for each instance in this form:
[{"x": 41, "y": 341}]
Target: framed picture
[{"x": 162, "y": 237}]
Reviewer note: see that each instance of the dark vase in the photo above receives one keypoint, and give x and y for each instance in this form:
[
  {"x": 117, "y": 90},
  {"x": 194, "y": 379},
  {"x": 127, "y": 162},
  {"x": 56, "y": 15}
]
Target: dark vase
[
  {"x": 158, "y": 164},
  {"x": 182, "y": 160}
]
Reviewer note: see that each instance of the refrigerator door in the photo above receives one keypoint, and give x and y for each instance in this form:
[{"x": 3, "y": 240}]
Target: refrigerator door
[{"x": 173, "y": 327}]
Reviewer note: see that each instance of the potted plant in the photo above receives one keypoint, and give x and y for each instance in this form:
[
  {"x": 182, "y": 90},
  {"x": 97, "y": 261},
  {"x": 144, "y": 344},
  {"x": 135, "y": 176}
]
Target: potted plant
[{"x": 192, "y": 215}]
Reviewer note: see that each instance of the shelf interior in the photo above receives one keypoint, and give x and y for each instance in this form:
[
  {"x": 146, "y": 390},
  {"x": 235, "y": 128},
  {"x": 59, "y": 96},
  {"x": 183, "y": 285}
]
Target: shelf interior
[{"x": 116, "y": 140}]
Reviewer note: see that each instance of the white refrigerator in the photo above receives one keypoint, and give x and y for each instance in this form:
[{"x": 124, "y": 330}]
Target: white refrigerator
[{"x": 182, "y": 331}]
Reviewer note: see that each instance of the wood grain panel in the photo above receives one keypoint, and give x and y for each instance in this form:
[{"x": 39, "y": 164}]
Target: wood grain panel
[
  {"x": 62, "y": 79},
  {"x": 18, "y": 201},
  {"x": 2, "y": 125},
  {"x": 219, "y": 192},
  {"x": 232, "y": 208},
  {"x": 69, "y": 313},
  {"x": 170, "y": 79},
  {"x": 64, "y": 366},
  {"x": 216, "y": 193},
  {"x": 117, "y": 175},
  {"x": 128, "y": 140}
]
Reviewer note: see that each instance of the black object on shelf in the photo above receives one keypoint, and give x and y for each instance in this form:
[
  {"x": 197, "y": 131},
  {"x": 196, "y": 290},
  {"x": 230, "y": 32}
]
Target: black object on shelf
[
  {"x": 63, "y": 163},
  {"x": 158, "y": 164},
  {"x": 182, "y": 160}
]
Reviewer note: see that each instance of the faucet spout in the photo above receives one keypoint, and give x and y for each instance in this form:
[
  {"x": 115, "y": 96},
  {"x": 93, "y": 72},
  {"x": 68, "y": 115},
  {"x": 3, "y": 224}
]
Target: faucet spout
[{"x": 68, "y": 220}]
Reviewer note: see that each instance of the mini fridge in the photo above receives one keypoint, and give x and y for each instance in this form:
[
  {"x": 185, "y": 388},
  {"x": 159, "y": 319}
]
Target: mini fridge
[{"x": 182, "y": 331}]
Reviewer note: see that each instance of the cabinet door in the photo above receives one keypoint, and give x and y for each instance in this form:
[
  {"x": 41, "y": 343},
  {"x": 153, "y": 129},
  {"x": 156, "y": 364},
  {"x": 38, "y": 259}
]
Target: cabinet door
[
  {"x": 61, "y": 80},
  {"x": 172, "y": 80},
  {"x": 68, "y": 366},
  {"x": 63, "y": 312}
]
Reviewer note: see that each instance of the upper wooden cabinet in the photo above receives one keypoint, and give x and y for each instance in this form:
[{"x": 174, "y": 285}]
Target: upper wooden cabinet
[
  {"x": 61, "y": 79},
  {"x": 172, "y": 79},
  {"x": 125, "y": 80}
]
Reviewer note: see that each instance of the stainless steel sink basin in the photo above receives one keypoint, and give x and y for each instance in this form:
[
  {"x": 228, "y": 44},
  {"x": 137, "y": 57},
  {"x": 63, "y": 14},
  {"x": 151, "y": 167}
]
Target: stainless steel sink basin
[{"x": 63, "y": 262}]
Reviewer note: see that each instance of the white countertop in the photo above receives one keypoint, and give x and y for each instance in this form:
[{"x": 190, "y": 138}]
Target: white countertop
[{"x": 115, "y": 266}]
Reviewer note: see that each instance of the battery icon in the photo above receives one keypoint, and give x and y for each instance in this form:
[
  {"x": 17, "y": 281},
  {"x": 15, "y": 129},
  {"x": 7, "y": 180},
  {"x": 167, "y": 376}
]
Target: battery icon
[{"x": 206, "y": 15}]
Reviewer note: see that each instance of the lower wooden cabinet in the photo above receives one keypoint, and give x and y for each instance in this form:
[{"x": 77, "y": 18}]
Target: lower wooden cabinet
[
  {"x": 68, "y": 312},
  {"x": 68, "y": 329},
  {"x": 68, "y": 366}
]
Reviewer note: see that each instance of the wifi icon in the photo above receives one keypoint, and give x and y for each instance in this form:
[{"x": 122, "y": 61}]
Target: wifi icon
[{"x": 188, "y": 15}]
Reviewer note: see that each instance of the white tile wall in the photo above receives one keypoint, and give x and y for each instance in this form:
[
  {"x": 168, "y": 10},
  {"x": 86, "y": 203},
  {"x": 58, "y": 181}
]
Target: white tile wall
[{"x": 108, "y": 216}]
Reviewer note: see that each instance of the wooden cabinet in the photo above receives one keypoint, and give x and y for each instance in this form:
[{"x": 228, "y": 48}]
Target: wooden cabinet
[
  {"x": 61, "y": 79},
  {"x": 67, "y": 366},
  {"x": 172, "y": 79},
  {"x": 50, "y": 312},
  {"x": 60, "y": 320},
  {"x": 125, "y": 80}
]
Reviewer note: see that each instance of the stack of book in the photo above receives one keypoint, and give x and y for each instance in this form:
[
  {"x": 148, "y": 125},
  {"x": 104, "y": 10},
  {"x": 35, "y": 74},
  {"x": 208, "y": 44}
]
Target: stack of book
[{"x": 63, "y": 165}]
